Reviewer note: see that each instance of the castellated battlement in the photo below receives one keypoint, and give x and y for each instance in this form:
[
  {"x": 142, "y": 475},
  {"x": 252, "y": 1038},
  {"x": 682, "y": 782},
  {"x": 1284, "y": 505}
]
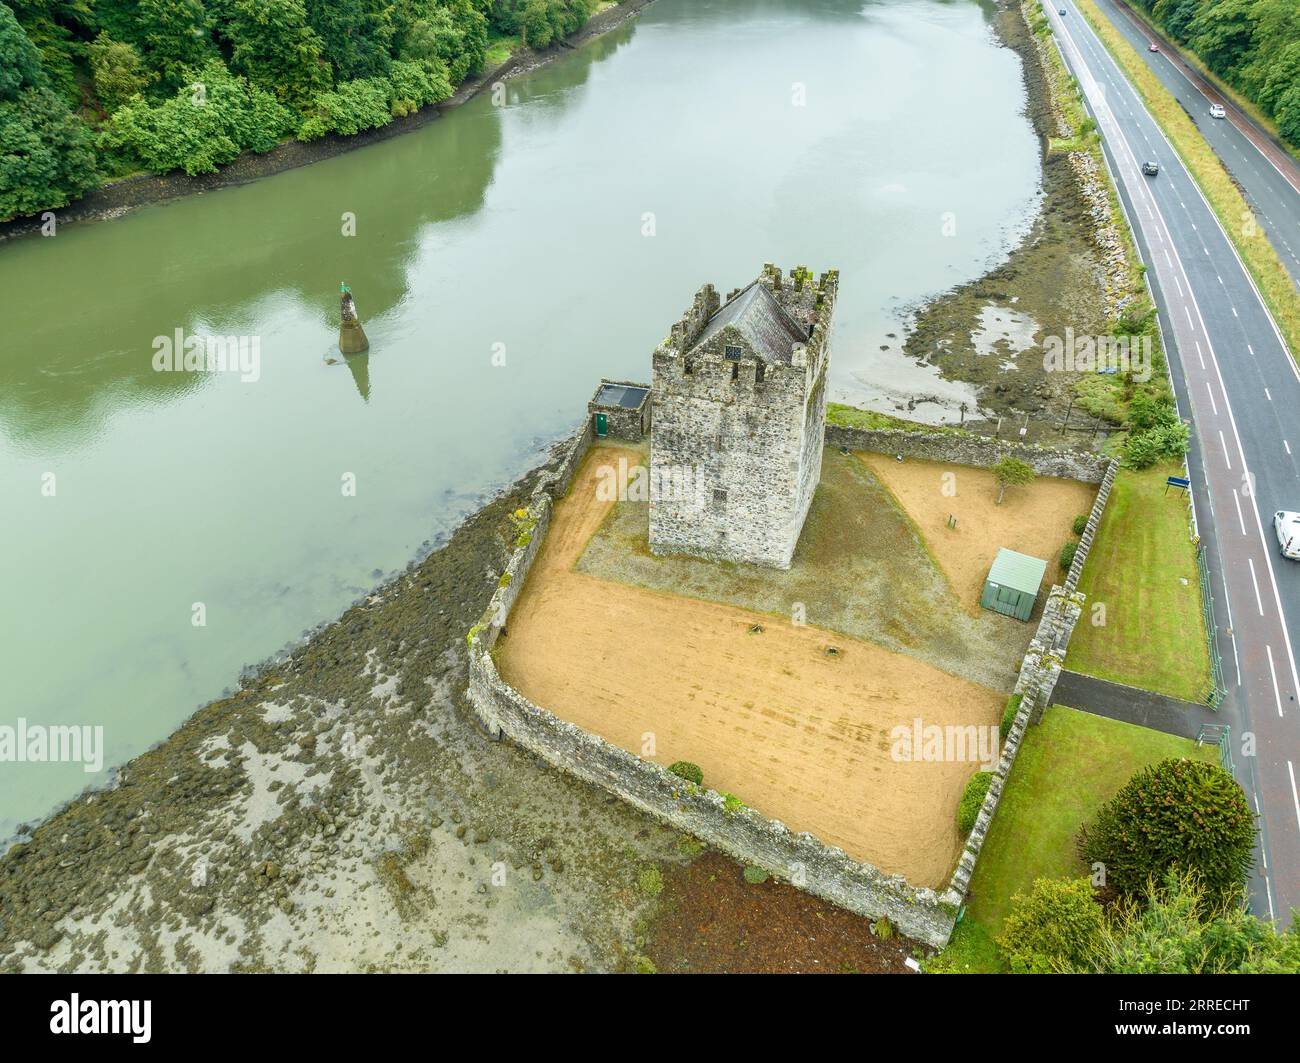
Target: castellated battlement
[{"x": 739, "y": 394}]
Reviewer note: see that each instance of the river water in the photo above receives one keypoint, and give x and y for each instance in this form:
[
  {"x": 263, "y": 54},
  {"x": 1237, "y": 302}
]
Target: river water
[{"x": 162, "y": 529}]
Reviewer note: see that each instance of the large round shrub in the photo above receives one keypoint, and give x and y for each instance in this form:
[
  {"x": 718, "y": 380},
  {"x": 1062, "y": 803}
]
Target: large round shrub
[
  {"x": 1056, "y": 929},
  {"x": 1183, "y": 815}
]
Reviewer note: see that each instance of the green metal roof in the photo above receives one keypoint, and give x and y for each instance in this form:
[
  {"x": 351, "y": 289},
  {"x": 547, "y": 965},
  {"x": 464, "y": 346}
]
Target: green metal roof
[{"x": 1018, "y": 571}]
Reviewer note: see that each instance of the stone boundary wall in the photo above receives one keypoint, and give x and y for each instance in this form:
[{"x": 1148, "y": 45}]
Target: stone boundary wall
[
  {"x": 968, "y": 448},
  {"x": 1039, "y": 672},
  {"x": 744, "y": 833}
]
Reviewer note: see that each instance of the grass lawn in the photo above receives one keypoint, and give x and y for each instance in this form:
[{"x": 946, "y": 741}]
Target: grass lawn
[
  {"x": 1067, "y": 768},
  {"x": 499, "y": 50},
  {"x": 1154, "y": 632}
]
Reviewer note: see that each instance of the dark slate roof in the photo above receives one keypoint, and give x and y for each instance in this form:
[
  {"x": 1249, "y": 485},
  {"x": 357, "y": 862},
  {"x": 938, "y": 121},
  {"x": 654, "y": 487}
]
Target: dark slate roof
[
  {"x": 766, "y": 325},
  {"x": 622, "y": 395}
]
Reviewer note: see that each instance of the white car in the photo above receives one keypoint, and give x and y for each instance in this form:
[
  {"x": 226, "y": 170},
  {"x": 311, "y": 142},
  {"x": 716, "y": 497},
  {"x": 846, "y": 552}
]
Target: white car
[
  {"x": 1287, "y": 526},
  {"x": 1217, "y": 111}
]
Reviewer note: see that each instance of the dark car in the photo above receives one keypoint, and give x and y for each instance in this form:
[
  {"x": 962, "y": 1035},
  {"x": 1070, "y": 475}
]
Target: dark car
[{"x": 1150, "y": 168}]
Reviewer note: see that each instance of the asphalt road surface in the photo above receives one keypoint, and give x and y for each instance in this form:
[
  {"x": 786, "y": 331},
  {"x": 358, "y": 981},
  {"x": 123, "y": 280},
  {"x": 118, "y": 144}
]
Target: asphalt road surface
[
  {"x": 1268, "y": 176},
  {"x": 1235, "y": 379}
]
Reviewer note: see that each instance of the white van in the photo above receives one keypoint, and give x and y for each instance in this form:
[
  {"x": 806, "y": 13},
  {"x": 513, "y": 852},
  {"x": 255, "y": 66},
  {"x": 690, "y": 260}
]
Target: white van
[{"x": 1287, "y": 526}]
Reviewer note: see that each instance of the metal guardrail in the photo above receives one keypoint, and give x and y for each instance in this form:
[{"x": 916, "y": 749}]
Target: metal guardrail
[
  {"x": 1218, "y": 734},
  {"x": 1215, "y": 695}
]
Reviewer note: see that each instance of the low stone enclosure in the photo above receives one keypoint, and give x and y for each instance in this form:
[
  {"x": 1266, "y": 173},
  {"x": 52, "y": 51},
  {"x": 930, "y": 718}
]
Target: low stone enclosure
[{"x": 923, "y": 914}]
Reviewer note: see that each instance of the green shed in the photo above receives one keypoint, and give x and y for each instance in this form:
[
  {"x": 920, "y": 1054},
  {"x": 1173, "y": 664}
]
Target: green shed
[{"x": 1012, "y": 586}]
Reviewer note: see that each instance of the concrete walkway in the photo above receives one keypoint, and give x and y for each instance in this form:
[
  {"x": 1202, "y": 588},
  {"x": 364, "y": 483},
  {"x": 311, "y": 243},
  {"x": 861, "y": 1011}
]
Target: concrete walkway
[{"x": 1119, "y": 702}]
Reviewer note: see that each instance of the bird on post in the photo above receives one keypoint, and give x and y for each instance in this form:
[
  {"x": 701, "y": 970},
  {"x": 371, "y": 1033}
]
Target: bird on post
[{"x": 352, "y": 337}]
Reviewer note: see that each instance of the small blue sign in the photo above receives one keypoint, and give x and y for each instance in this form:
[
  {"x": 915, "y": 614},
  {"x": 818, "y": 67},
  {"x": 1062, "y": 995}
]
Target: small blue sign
[{"x": 1178, "y": 481}]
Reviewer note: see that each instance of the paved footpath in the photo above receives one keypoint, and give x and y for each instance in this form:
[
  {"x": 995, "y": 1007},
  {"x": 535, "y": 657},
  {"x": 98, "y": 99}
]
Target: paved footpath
[{"x": 1131, "y": 705}]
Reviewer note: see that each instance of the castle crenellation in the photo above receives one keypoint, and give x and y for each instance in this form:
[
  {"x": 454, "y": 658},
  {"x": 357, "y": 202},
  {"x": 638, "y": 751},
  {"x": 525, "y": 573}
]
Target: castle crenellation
[{"x": 739, "y": 393}]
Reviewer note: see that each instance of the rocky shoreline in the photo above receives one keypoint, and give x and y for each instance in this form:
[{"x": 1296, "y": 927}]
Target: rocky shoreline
[
  {"x": 1071, "y": 270},
  {"x": 341, "y": 812},
  {"x": 121, "y": 197}
]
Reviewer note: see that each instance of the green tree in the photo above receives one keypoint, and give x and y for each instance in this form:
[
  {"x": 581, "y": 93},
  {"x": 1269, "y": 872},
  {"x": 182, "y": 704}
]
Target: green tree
[
  {"x": 1179, "y": 929},
  {"x": 46, "y": 154},
  {"x": 277, "y": 50},
  {"x": 118, "y": 70},
  {"x": 347, "y": 110},
  {"x": 355, "y": 36},
  {"x": 1181, "y": 815},
  {"x": 198, "y": 130},
  {"x": 415, "y": 84},
  {"x": 1056, "y": 929},
  {"x": 173, "y": 36},
  {"x": 1221, "y": 34},
  {"x": 454, "y": 32},
  {"x": 1011, "y": 472},
  {"x": 56, "y": 28}
]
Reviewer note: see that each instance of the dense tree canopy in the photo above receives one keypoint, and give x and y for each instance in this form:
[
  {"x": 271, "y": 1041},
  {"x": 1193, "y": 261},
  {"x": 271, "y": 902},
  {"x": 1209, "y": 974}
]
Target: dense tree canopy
[
  {"x": 1254, "y": 45},
  {"x": 46, "y": 158},
  {"x": 189, "y": 84},
  {"x": 1175, "y": 926}
]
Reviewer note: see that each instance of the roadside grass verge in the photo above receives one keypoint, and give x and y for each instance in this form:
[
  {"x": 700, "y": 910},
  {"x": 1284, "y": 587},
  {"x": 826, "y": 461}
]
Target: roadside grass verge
[
  {"x": 1142, "y": 569},
  {"x": 1068, "y": 766},
  {"x": 1262, "y": 262}
]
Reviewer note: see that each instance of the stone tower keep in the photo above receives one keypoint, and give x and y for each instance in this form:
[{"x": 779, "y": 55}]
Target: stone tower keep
[{"x": 739, "y": 396}]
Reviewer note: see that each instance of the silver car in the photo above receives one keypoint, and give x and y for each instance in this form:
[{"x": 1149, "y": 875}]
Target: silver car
[
  {"x": 1217, "y": 111},
  {"x": 1287, "y": 527}
]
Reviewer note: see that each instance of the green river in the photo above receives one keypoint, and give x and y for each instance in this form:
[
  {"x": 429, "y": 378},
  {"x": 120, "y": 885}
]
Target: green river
[{"x": 558, "y": 231}]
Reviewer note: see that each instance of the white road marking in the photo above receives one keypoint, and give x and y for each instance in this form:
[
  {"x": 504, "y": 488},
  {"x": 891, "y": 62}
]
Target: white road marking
[
  {"x": 1210, "y": 391},
  {"x": 1295, "y": 799},
  {"x": 1277, "y": 694},
  {"x": 1224, "y": 443},
  {"x": 1258, "y": 600},
  {"x": 1240, "y": 519},
  {"x": 1287, "y": 445},
  {"x": 1268, "y": 395}
]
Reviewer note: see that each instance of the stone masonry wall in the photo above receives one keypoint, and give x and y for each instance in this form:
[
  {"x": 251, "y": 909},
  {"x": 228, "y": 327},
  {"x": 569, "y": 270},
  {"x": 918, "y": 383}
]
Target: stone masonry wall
[
  {"x": 752, "y": 428},
  {"x": 967, "y": 448},
  {"x": 744, "y": 833},
  {"x": 620, "y": 422}
]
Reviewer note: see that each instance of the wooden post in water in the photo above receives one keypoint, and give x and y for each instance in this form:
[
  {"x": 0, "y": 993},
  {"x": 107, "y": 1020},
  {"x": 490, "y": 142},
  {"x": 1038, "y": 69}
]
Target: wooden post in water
[{"x": 352, "y": 337}]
